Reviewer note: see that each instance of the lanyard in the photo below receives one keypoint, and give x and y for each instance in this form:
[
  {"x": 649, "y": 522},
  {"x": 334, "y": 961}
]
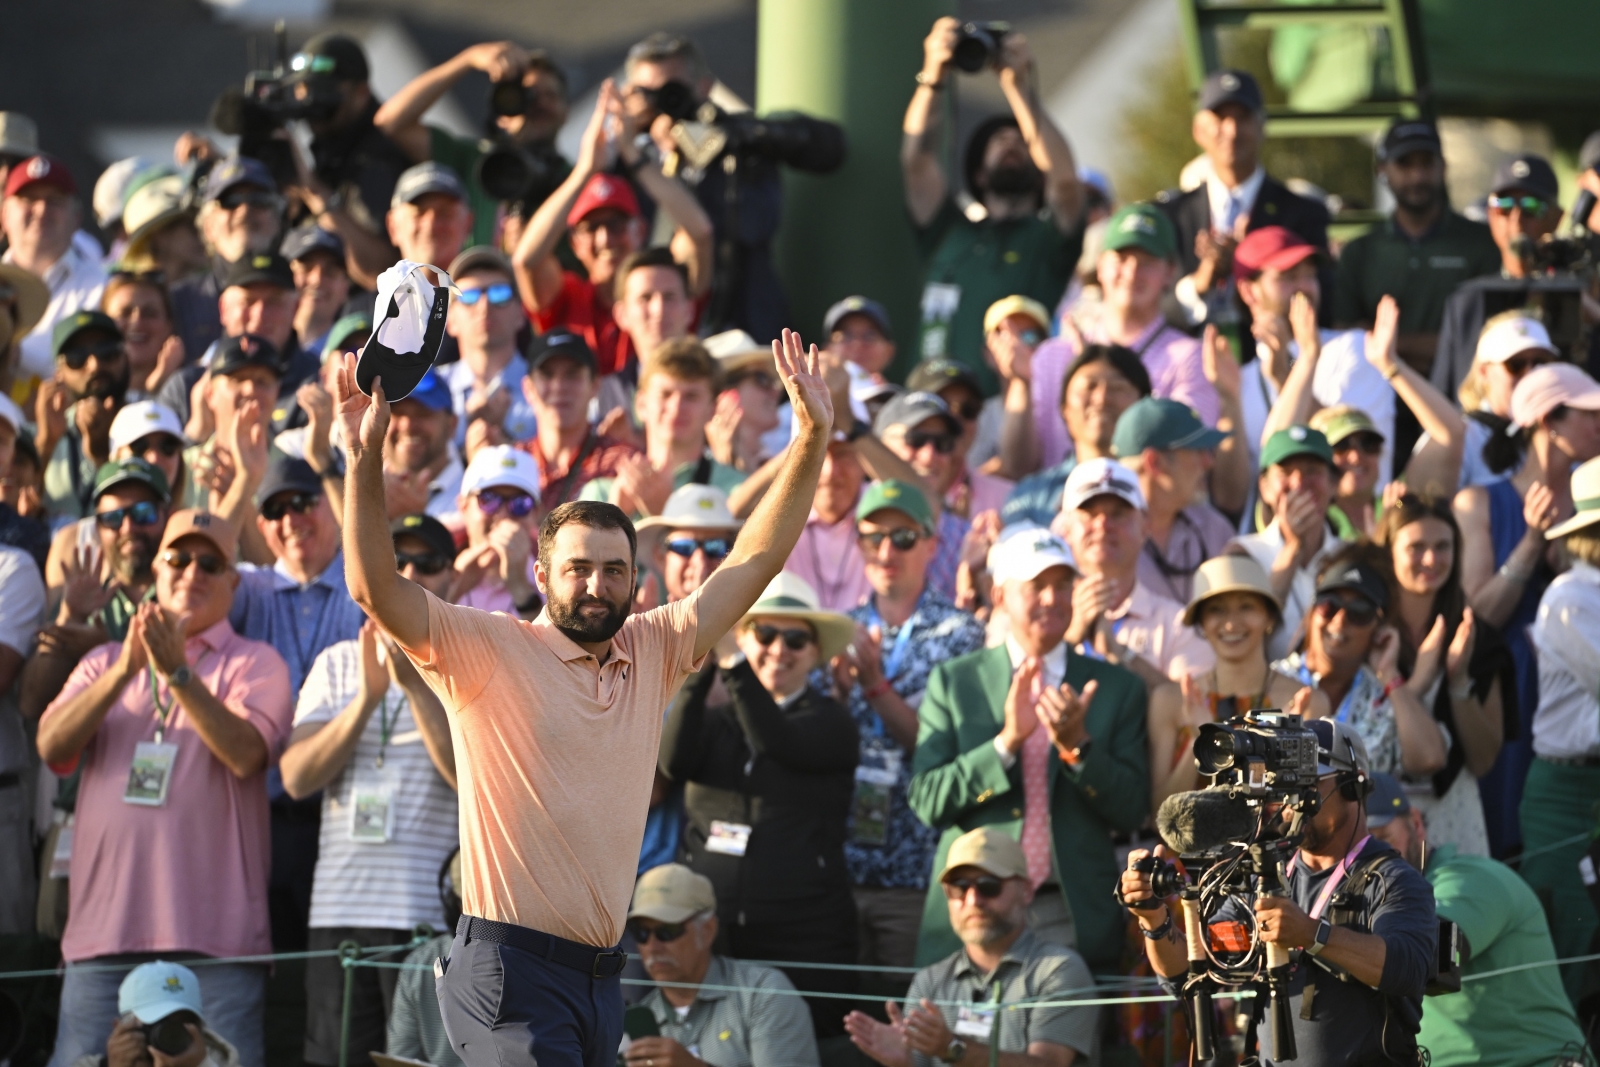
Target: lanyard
[
  {"x": 902, "y": 640},
  {"x": 164, "y": 710},
  {"x": 386, "y": 723},
  {"x": 1333, "y": 879}
]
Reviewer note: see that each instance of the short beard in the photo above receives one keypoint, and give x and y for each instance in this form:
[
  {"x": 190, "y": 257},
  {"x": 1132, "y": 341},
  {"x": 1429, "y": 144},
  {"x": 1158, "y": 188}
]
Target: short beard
[
  {"x": 998, "y": 928},
  {"x": 102, "y": 386},
  {"x": 1412, "y": 202},
  {"x": 565, "y": 616},
  {"x": 1015, "y": 181},
  {"x": 134, "y": 564}
]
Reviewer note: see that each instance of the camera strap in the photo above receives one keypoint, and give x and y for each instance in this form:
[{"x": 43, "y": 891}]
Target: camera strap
[{"x": 1334, "y": 879}]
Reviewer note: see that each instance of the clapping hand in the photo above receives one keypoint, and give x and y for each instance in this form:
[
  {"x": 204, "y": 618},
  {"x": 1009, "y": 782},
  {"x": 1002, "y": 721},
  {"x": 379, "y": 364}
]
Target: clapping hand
[
  {"x": 1380, "y": 346},
  {"x": 1218, "y": 364},
  {"x": 884, "y": 1042},
  {"x": 1303, "y": 321},
  {"x": 1021, "y": 711},
  {"x": 163, "y": 637},
  {"x": 1064, "y": 712}
]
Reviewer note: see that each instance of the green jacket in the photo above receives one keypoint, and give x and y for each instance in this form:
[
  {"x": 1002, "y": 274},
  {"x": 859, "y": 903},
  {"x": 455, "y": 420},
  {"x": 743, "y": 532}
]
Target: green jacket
[{"x": 958, "y": 784}]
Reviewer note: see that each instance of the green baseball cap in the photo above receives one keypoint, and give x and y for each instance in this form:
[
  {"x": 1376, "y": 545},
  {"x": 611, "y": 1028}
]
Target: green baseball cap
[
  {"x": 1296, "y": 441},
  {"x": 1160, "y": 423},
  {"x": 1142, "y": 226},
  {"x": 111, "y": 475},
  {"x": 344, "y": 329},
  {"x": 72, "y": 325},
  {"x": 895, "y": 495},
  {"x": 1337, "y": 423}
]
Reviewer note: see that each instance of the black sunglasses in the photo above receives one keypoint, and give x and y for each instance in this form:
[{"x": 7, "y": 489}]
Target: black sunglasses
[
  {"x": 164, "y": 443},
  {"x": 713, "y": 547},
  {"x": 904, "y": 539},
  {"x": 943, "y": 443},
  {"x": 1369, "y": 443},
  {"x": 1517, "y": 366},
  {"x": 987, "y": 885},
  {"x": 237, "y": 197},
  {"x": 519, "y": 506},
  {"x": 299, "y": 503},
  {"x": 429, "y": 563},
  {"x": 793, "y": 640},
  {"x": 1358, "y": 610},
  {"x": 179, "y": 560},
  {"x": 968, "y": 409},
  {"x": 666, "y": 933},
  {"x": 77, "y": 357},
  {"x": 144, "y": 513}
]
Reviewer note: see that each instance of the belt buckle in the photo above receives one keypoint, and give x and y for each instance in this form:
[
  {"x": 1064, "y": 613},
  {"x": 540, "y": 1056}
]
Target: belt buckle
[{"x": 594, "y": 970}]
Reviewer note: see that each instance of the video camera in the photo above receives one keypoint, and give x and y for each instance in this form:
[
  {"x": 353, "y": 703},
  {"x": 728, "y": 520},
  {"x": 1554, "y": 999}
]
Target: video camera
[
  {"x": 703, "y": 132},
  {"x": 259, "y": 112}
]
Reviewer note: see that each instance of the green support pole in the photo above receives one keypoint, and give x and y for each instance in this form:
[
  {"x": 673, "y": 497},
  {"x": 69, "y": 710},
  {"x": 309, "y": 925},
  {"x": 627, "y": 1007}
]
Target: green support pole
[
  {"x": 349, "y": 952},
  {"x": 852, "y": 62}
]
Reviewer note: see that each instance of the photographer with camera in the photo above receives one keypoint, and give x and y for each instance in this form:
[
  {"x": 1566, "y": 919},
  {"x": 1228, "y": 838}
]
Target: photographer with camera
[
  {"x": 516, "y": 160},
  {"x": 162, "y": 1023},
  {"x": 1017, "y": 167},
  {"x": 1356, "y": 984}
]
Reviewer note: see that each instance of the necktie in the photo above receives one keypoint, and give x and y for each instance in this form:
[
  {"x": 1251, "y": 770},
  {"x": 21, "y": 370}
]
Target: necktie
[{"x": 1036, "y": 799}]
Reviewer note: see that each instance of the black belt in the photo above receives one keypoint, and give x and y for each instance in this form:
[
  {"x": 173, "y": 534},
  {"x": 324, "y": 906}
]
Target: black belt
[{"x": 596, "y": 963}]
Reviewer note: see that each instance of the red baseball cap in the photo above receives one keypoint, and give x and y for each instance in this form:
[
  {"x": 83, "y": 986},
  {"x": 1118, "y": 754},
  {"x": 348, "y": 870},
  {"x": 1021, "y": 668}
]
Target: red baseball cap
[
  {"x": 1270, "y": 248},
  {"x": 41, "y": 170},
  {"x": 601, "y": 191}
]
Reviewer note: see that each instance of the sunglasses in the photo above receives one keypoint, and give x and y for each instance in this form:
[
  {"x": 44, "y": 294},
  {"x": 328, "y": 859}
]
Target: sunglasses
[
  {"x": 943, "y": 443},
  {"x": 987, "y": 885},
  {"x": 968, "y": 409},
  {"x": 164, "y": 443},
  {"x": 1358, "y": 610},
  {"x": 519, "y": 506},
  {"x": 500, "y": 294},
  {"x": 78, "y": 357},
  {"x": 429, "y": 563},
  {"x": 1530, "y": 205},
  {"x": 1517, "y": 366},
  {"x": 1368, "y": 443},
  {"x": 144, "y": 513},
  {"x": 666, "y": 933},
  {"x": 714, "y": 547},
  {"x": 903, "y": 539},
  {"x": 239, "y": 197},
  {"x": 793, "y": 640},
  {"x": 179, "y": 560},
  {"x": 299, "y": 503}
]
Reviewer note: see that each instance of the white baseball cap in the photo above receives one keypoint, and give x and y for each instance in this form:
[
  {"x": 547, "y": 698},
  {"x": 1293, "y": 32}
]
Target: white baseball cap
[
  {"x": 141, "y": 419},
  {"x": 1100, "y": 477},
  {"x": 1512, "y": 335},
  {"x": 152, "y": 991},
  {"x": 694, "y": 507},
  {"x": 501, "y": 465},
  {"x": 1025, "y": 551}
]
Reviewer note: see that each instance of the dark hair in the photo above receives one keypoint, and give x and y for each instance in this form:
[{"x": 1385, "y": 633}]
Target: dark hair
[
  {"x": 658, "y": 256},
  {"x": 684, "y": 359},
  {"x": 1450, "y": 601},
  {"x": 595, "y": 514},
  {"x": 978, "y": 144},
  {"x": 28, "y": 451},
  {"x": 544, "y": 62},
  {"x": 661, "y": 46},
  {"x": 1125, "y": 361},
  {"x": 1504, "y": 451}
]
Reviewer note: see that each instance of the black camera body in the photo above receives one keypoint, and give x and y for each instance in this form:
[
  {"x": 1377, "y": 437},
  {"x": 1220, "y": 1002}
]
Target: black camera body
[
  {"x": 1260, "y": 754},
  {"x": 170, "y": 1036},
  {"x": 259, "y": 111},
  {"x": 525, "y": 174},
  {"x": 979, "y": 45}
]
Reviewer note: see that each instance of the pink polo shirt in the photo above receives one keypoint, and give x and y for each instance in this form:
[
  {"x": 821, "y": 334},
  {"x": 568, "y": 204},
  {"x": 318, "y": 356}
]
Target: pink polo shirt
[
  {"x": 829, "y": 558},
  {"x": 191, "y": 875}
]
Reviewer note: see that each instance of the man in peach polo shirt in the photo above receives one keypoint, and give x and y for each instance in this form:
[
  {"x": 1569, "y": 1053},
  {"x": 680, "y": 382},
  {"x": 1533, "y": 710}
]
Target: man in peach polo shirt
[{"x": 556, "y": 725}]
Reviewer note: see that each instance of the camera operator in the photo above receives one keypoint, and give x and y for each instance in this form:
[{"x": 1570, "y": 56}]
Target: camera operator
[
  {"x": 668, "y": 93},
  {"x": 354, "y": 167},
  {"x": 1020, "y": 171},
  {"x": 527, "y": 108},
  {"x": 1356, "y": 988}
]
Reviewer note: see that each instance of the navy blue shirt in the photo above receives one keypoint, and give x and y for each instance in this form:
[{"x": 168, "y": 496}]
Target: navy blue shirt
[{"x": 1037, "y": 498}]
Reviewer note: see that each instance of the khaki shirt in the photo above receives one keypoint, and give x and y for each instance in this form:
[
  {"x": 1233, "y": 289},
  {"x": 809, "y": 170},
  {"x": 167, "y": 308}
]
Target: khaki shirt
[{"x": 761, "y": 1024}]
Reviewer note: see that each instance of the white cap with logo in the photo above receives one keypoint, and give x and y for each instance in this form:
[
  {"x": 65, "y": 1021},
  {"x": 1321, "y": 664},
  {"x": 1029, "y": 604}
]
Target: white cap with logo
[
  {"x": 501, "y": 465},
  {"x": 1100, "y": 477},
  {"x": 1025, "y": 551},
  {"x": 153, "y": 991},
  {"x": 1512, "y": 335},
  {"x": 142, "y": 419}
]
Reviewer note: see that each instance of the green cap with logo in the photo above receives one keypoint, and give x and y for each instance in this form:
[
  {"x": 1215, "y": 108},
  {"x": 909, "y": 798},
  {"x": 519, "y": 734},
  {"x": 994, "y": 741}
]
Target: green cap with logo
[
  {"x": 122, "y": 471},
  {"x": 1338, "y": 423},
  {"x": 1296, "y": 441},
  {"x": 895, "y": 495},
  {"x": 1143, "y": 226},
  {"x": 1160, "y": 423},
  {"x": 74, "y": 324}
]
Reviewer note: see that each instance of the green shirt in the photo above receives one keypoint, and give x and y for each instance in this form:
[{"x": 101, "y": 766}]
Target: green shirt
[
  {"x": 722, "y": 477},
  {"x": 1521, "y": 1019},
  {"x": 69, "y": 477},
  {"x": 1420, "y": 274},
  {"x": 461, "y": 154},
  {"x": 744, "y": 1027},
  {"x": 970, "y": 265}
]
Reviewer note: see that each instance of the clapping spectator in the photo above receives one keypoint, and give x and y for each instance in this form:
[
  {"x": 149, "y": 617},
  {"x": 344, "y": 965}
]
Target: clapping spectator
[
  {"x": 485, "y": 321},
  {"x": 198, "y": 713},
  {"x": 747, "y": 405},
  {"x": 139, "y": 305},
  {"x": 920, "y": 429},
  {"x": 499, "y": 506},
  {"x": 75, "y": 410}
]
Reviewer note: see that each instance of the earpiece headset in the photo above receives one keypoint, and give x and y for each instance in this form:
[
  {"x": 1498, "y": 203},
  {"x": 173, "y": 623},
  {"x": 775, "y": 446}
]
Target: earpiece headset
[{"x": 1354, "y": 785}]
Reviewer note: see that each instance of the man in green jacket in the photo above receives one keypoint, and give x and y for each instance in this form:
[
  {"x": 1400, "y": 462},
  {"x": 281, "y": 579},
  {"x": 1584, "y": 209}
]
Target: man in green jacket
[{"x": 1043, "y": 743}]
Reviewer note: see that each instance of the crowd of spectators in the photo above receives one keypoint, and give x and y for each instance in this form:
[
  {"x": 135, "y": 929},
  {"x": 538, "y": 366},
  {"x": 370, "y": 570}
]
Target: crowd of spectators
[{"x": 1214, "y": 464}]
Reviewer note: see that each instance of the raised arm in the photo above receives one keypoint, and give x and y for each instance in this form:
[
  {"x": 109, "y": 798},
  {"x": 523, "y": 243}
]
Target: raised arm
[
  {"x": 694, "y": 225},
  {"x": 774, "y": 527},
  {"x": 1435, "y": 469},
  {"x": 1296, "y": 404},
  {"x": 398, "y": 604},
  {"x": 1020, "y": 82},
  {"x": 400, "y": 117},
  {"x": 926, "y": 187}
]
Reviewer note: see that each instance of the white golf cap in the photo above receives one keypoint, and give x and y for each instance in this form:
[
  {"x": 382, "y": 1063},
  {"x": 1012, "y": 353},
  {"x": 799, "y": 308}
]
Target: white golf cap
[
  {"x": 694, "y": 507},
  {"x": 1100, "y": 477},
  {"x": 142, "y": 418},
  {"x": 1512, "y": 335},
  {"x": 1025, "y": 551},
  {"x": 501, "y": 465},
  {"x": 152, "y": 991}
]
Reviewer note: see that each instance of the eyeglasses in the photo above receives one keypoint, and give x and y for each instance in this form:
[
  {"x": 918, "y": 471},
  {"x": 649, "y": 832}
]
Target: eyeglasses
[
  {"x": 164, "y": 443},
  {"x": 1530, "y": 205},
  {"x": 943, "y": 443},
  {"x": 77, "y": 357},
  {"x": 793, "y": 640},
  {"x": 987, "y": 885},
  {"x": 239, "y": 196},
  {"x": 1368, "y": 443},
  {"x": 666, "y": 933},
  {"x": 519, "y": 506},
  {"x": 1358, "y": 610},
  {"x": 144, "y": 513},
  {"x": 299, "y": 503},
  {"x": 1517, "y": 366},
  {"x": 713, "y": 547},
  {"x": 500, "y": 294},
  {"x": 969, "y": 409},
  {"x": 179, "y": 560},
  {"x": 903, "y": 539},
  {"x": 429, "y": 563}
]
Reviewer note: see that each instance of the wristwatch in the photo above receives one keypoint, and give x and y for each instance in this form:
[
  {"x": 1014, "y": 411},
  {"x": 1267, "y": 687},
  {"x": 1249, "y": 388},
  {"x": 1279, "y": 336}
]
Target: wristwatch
[
  {"x": 1320, "y": 942},
  {"x": 953, "y": 1052},
  {"x": 180, "y": 677}
]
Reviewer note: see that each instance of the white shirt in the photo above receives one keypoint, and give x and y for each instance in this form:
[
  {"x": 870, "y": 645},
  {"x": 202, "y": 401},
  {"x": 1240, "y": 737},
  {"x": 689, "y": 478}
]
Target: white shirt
[
  {"x": 1566, "y": 634},
  {"x": 1264, "y": 547},
  {"x": 76, "y": 282},
  {"x": 1228, "y": 205}
]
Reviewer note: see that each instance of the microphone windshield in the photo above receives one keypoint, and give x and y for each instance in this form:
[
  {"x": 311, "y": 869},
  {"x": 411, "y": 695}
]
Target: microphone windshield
[{"x": 1204, "y": 820}]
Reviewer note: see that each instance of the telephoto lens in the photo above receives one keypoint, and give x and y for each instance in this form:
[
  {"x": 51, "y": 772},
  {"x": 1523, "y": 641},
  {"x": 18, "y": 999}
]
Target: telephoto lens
[{"x": 508, "y": 98}]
